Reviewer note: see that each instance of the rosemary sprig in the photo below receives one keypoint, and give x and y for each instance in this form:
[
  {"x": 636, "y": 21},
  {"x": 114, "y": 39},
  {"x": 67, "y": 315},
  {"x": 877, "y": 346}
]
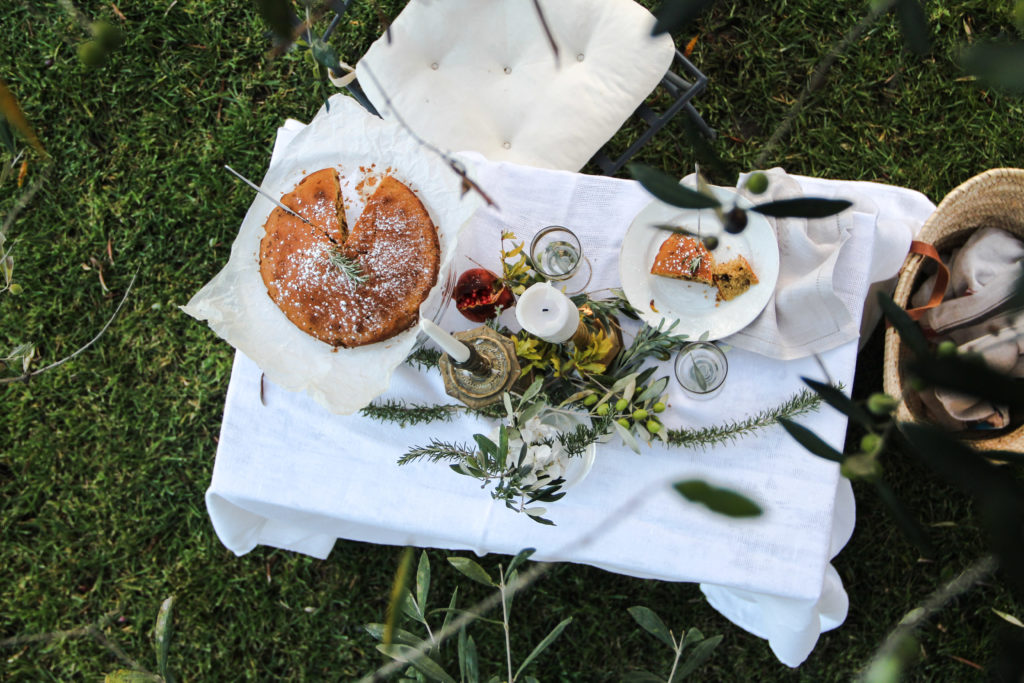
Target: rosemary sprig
[
  {"x": 436, "y": 451},
  {"x": 405, "y": 414},
  {"x": 577, "y": 441},
  {"x": 801, "y": 403},
  {"x": 409, "y": 413},
  {"x": 348, "y": 267},
  {"x": 424, "y": 358},
  {"x": 695, "y": 265}
]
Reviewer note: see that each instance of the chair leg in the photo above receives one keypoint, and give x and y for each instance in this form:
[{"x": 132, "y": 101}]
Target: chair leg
[
  {"x": 678, "y": 87},
  {"x": 706, "y": 130}
]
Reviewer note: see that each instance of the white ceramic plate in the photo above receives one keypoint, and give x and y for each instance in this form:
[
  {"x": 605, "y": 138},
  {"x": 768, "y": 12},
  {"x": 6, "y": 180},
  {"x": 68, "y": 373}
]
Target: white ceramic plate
[{"x": 666, "y": 300}]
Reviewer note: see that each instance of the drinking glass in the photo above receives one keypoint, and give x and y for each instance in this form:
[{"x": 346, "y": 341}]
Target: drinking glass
[
  {"x": 701, "y": 369},
  {"x": 557, "y": 255}
]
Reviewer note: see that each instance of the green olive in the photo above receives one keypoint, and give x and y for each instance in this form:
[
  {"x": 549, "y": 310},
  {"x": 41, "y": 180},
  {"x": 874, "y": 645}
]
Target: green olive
[
  {"x": 590, "y": 400},
  {"x": 624, "y": 422},
  {"x": 653, "y": 426},
  {"x": 110, "y": 37},
  {"x": 881, "y": 404},
  {"x": 92, "y": 53},
  {"x": 639, "y": 414},
  {"x": 658, "y": 407},
  {"x": 602, "y": 409},
  {"x": 757, "y": 182},
  {"x": 946, "y": 349},
  {"x": 869, "y": 443},
  {"x": 621, "y": 405}
]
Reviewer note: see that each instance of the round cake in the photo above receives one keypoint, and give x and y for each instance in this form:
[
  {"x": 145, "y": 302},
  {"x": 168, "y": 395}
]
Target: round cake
[{"x": 349, "y": 287}]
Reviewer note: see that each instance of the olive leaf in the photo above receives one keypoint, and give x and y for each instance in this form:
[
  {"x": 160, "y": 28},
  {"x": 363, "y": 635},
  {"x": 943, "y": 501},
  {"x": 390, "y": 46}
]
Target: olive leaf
[
  {"x": 536, "y": 514},
  {"x": 410, "y": 655},
  {"x": 162, "y": 637},
  {"x": 701, "y": 652},
  {"x": 469, "y": 665},
  {"x": 914, "y": 25},
  {"x": 669, "y": 190},
  {"x": 971, "y": 376},
  {"x": 652, "y": 623},
  {"x": 673, "y": 15},
  {"x": 627, "y": 438},
  {"x": 279, "y": 17},
  {"x": 11, "y": 112},
  {"x": 325, "y": 55},
  {"x": 400, "y": 635},
  {"x": 397, "y": 598},
  {"x": 471, "y": 569},
  {"x": 722, "y": 501},
  {"x": 999, "y": 497},
  {"x": 520, "y": 557},
  {"x": 910, "y": 333},
  {"x": 543, "y": 645},
  {"x": 840, "y": 401},
  {"x": 802, "y": 207},
  {"x": 655, "y": 390},
  {"x": 423, "y": 581},
  {"x": 997, "y": 64},
  {"x": 811, "y": 441}
]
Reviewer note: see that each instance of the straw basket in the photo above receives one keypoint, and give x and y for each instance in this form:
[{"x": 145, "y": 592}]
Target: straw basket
[{"x": 994, "y": 198}]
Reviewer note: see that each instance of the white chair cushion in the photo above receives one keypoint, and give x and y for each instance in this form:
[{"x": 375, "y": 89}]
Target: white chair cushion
[{"x": 480, "y": 75}]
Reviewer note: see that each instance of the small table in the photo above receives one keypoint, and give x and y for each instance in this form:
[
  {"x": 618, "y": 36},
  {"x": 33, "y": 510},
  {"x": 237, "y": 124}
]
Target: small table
[{"x": 289, "y": 474}]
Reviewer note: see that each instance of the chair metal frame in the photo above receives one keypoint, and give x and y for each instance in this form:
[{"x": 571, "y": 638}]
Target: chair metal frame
[{"x": 683, "y": 90}]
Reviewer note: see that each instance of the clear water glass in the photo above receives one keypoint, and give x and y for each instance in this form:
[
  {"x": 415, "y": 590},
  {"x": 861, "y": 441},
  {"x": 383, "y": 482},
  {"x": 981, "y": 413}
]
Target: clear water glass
[
  {"x": 701, "y": 368},
  {"x": 557, "y": 255}
]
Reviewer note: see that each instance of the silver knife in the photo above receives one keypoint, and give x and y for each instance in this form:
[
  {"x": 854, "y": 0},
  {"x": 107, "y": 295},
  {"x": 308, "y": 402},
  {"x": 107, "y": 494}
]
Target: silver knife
[{"x": 267, "y": 195}]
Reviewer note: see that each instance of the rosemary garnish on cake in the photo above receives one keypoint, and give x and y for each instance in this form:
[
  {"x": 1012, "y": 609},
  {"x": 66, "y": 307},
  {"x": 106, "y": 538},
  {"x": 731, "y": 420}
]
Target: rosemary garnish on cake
[{"x": 348, "y": 267}]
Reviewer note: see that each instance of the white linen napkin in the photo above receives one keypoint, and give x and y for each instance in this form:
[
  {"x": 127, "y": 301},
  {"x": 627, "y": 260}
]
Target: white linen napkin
[{"x": 813, "y": 310}]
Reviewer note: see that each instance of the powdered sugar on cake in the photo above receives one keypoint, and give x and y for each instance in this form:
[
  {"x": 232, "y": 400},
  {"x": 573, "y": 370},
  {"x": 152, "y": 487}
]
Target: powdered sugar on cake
[{"x": 394, "y": 244}]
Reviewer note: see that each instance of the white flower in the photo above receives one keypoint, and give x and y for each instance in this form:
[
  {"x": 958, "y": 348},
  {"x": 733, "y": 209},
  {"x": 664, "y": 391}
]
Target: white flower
[
  {"x": 546, "y": 459},
  {"x": 534, "y": 431}
]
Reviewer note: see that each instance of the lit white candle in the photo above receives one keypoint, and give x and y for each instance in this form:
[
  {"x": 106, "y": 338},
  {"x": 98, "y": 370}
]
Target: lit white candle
[
  {"x": 449, "y": 344},
  {"x": 545, "y": 312}
]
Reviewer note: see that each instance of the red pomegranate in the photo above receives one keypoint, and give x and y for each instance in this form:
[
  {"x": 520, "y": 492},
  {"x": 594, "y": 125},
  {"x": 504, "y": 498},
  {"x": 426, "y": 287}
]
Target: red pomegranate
[{"x": 479, "y": 294}]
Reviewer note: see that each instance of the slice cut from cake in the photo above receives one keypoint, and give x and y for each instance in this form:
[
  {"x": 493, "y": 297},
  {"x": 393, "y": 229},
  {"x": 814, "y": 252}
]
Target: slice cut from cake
[
  {"x": 684, "y": 258},
  {"x": 734, "y": 277},
  {"x": 317, "y": 198}
]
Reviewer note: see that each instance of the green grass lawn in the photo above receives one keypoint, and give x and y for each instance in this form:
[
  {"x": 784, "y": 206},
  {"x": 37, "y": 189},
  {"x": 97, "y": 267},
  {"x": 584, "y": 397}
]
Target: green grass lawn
[{"x": 104, "y": 461}]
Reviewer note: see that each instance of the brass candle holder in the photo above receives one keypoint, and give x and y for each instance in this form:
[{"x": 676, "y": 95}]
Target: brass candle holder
[
  {"x": 583, "y": 335},
  {"x": 491, "y": 369}
]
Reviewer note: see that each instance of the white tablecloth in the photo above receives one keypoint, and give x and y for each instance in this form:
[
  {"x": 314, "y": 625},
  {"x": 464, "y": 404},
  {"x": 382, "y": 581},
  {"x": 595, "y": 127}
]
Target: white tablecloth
[{"x": 289, "y": 474}]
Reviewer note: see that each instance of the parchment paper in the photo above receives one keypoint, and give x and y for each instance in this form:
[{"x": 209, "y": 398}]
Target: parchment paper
[{"x": 235, "y": 302}]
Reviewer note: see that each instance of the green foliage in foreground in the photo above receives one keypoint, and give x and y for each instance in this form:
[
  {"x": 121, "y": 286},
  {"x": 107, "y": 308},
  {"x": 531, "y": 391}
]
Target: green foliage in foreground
[{"x": 103, "y": 462}]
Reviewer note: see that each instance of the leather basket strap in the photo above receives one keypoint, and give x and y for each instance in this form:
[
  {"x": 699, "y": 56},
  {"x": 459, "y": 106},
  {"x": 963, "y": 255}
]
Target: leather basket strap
[{"x": 941, "y": 278}]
